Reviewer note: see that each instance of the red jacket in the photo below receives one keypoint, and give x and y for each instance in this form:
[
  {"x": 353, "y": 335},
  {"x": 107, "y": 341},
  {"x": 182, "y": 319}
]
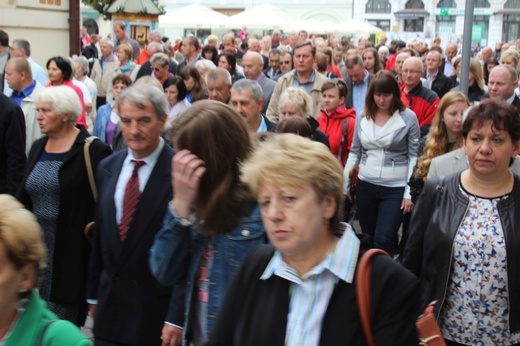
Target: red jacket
[
  {"x": 423, "y": 102},
  {"x": 338, "y": 124},
  {"x": 390, "y": 63}
]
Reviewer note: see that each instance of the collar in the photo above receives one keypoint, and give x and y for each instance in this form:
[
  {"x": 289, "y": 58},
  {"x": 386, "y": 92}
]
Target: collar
[
  {"x": 341, "y": 261},
  {"x": 337, "y": 110},
  {"x": 428, "y": 75},
  {"x": 364, "y": 82},
  {"x": 263, "y": 125},
  {"x": 414, "y": 91},
  {"x": 311, "y": 79},
  {"x": 511, "y": 99},
  {"x": 259, "y": 78},
  {"x": 25, "y": 92},
  {"x": 151, "y": 159},
  {"x": 110, "y": 58}
]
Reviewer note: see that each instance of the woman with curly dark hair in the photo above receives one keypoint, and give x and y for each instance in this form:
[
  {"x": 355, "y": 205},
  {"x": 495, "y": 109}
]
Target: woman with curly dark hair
[{"x": 210, "y": 53}]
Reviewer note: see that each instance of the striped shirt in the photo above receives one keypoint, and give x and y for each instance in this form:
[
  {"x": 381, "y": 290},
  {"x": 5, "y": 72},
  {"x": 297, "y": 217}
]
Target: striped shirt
[{"x": 310, "y": 294}]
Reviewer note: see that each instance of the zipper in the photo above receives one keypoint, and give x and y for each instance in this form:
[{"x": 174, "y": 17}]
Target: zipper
[{"x": 449, "y": 267}]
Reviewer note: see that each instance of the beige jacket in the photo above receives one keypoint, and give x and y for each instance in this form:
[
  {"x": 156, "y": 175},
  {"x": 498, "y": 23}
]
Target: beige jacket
[
  {"x": 103, "y": 79},
  {"x": 286, "y": 81}
]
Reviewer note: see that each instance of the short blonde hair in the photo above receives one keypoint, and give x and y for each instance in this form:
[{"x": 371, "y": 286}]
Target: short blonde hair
[
  {"x": 295, "y": 97},
  {"x": 291, "y": 160},
  {"x": 64, "y": 100},
  {"x": 127, "y": 49},
  {"x": 21, "y": 234}
]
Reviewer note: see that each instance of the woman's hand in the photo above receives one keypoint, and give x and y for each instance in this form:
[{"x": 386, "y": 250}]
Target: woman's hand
[
  {"x": 407, "y": 205},
  {"x": 187, "y": 170}
]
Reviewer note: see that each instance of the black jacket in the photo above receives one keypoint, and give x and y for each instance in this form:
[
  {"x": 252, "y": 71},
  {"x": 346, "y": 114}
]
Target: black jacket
[
  {"x": 255, "y": 311},
  {"x": 435, "y": 221},
  {"x": 71, "y": 251},
  {"x": 441, "y": 84},
  {"x": 12, "y": 145}
]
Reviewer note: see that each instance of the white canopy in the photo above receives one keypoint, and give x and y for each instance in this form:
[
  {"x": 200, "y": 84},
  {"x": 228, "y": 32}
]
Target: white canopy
[
  {"x": 312, "y": 26},
  {"x": 261, "y": 17},
  {"x": 355, "y": 26},
  {"x": 192, "y": 16}
]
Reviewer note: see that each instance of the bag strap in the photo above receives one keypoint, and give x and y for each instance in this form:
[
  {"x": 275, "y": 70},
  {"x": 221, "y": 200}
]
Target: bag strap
[
  {"x": 344, "y": 136},
  {"x": 42, "y": 332},
  {"x": 88, "y": 163},
  {"x": 363, "y": 291}
]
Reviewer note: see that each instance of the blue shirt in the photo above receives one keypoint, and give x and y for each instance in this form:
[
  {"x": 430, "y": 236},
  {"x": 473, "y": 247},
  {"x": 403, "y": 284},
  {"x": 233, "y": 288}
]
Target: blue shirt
[
  {"x": 358, "y": 94},
  {"x": 263, "y": 126},
  {"x": 310, "y": 294},
  {"x": 19, "y": 96}
]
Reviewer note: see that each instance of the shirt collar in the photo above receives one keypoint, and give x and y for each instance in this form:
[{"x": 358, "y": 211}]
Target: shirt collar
[
  {"x": 311, "y": 79},
  {"x": 263, "y": 125},
  {"x": 364, "y": 82},
  {"x": 151, "y": 159},
  {"x": 341, "y": 261},
  {"x": 25, "y": 92},
  {"x": 511, "y": 99}
]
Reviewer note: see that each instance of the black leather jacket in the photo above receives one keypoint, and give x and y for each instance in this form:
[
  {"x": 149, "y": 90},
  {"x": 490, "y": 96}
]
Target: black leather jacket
[{"x": 436, "y": 218}]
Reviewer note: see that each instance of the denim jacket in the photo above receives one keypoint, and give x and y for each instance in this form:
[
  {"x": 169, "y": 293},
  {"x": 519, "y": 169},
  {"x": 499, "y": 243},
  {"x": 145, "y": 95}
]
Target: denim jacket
[{"x": 177, "y": 250}]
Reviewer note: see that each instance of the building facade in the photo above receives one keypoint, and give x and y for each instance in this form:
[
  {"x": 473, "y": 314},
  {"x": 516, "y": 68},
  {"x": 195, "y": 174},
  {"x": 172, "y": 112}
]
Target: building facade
[{"x": 493, "y": 20}]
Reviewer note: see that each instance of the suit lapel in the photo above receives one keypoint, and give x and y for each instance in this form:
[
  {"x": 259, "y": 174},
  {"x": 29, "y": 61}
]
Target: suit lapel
[
  {"x": 111, "y": 174},
  {"x": 393, "y": 124}
]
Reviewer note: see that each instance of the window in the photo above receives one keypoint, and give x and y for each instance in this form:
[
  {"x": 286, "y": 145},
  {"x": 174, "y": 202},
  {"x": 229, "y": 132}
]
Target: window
[
  {"x": 414, "y": 25},
  {"x": 414, "y": 4},
  {"x": 512, "y": 4},
  {"x": 445, "y": 25},
  {"x": 447, "y": 4},
  {"x": 482, "y": 4},
  {"x": 511, "y": 27},
  {"x": 378, "y": 6},
  {"x": 382, "y": 24}
]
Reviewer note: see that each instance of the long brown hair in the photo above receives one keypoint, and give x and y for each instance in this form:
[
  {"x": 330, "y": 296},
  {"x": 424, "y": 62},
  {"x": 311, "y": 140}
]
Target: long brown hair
[
  {"x": 198, "y": 90},
  {"x": 383, "y": 82},
  {"x": 218, "y": 136},
  {"x": 438, "y": 135}
]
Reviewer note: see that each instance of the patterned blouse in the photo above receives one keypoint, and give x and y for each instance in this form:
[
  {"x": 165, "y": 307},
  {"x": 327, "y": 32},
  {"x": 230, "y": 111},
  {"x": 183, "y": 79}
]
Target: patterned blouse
[{"x": 476, "y": 309}]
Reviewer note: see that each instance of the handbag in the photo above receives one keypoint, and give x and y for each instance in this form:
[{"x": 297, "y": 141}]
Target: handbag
[
  {"x": 92, "y": 182},
  {"x": 427, "y": 327}
]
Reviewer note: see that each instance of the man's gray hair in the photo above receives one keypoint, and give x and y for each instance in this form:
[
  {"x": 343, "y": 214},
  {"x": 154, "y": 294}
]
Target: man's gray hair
[
  {"x": 156, "y": 35},
  {"x": 157, "y": 46},
  {"x": 107, "y": 40},
  {"x": 251, "y": 85},
  {"x": 83, "y": 62},
  {"x": 141, "y": 95},
  {"x": 23, "y": 45},
  {"x": 219, "y": 72},
  {"x": 160, "y": 58}
]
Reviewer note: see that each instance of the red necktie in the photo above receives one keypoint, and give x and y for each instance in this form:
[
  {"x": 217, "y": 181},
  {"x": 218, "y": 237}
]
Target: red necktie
[{"x": 130, "y": 200}]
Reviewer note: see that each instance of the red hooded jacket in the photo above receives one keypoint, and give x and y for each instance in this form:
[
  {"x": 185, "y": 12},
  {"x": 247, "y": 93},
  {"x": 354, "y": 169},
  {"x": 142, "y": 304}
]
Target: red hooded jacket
[{"x": 338, "y": 126}]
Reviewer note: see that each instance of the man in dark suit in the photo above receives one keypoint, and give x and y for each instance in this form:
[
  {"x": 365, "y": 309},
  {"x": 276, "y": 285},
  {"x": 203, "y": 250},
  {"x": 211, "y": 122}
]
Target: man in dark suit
[
  {"x": 274, "y": 64},
  {"x": 357, "y": 78},
  {"x": 130, "y": 306},
  {"x": 146, "y": 68},
  {"x": 503, "y": 80},
  {"x": 12, "y": 145},
  {"x": 253, "y": 65},
  {"x": 437, "y": 81}
]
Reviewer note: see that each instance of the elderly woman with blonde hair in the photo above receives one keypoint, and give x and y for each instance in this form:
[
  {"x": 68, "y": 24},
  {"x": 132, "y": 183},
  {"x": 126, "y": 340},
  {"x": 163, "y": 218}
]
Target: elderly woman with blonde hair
[
  {"x": 24, "y": 317},
  {"x": 305, "y": 280},
  {"x": 295, "y": 102}
]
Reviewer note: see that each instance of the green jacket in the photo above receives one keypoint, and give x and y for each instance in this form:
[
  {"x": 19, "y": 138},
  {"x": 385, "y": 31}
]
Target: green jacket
[{"x": 28, "y": 329}]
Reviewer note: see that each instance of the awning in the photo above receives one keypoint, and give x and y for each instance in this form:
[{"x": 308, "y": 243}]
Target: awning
[
  {"x": 410, "y": 13},
  {"x": 513, "y": 11}
]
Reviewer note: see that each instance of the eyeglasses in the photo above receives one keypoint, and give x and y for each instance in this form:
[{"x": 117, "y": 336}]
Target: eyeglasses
[
  {"x": 156, "y": 69},
  {"x": 411, "y": 72}
]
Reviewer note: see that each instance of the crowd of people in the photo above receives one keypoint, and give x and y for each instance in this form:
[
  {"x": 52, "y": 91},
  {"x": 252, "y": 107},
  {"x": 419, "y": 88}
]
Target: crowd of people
[{"x": 199, "y": 192}]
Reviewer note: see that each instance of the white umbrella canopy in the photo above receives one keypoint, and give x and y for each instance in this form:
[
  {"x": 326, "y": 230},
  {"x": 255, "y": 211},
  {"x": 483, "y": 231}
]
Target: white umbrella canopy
[
  {"x": 192, "y": 16},
  {"x": 261, "y": 17},
  {"x": 312, "y": 26},
  {"x": 355, "y": 26}
]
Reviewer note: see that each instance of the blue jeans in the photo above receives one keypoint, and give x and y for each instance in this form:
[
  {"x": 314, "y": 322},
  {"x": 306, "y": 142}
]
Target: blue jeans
[{"x": 380, "y": 214}]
